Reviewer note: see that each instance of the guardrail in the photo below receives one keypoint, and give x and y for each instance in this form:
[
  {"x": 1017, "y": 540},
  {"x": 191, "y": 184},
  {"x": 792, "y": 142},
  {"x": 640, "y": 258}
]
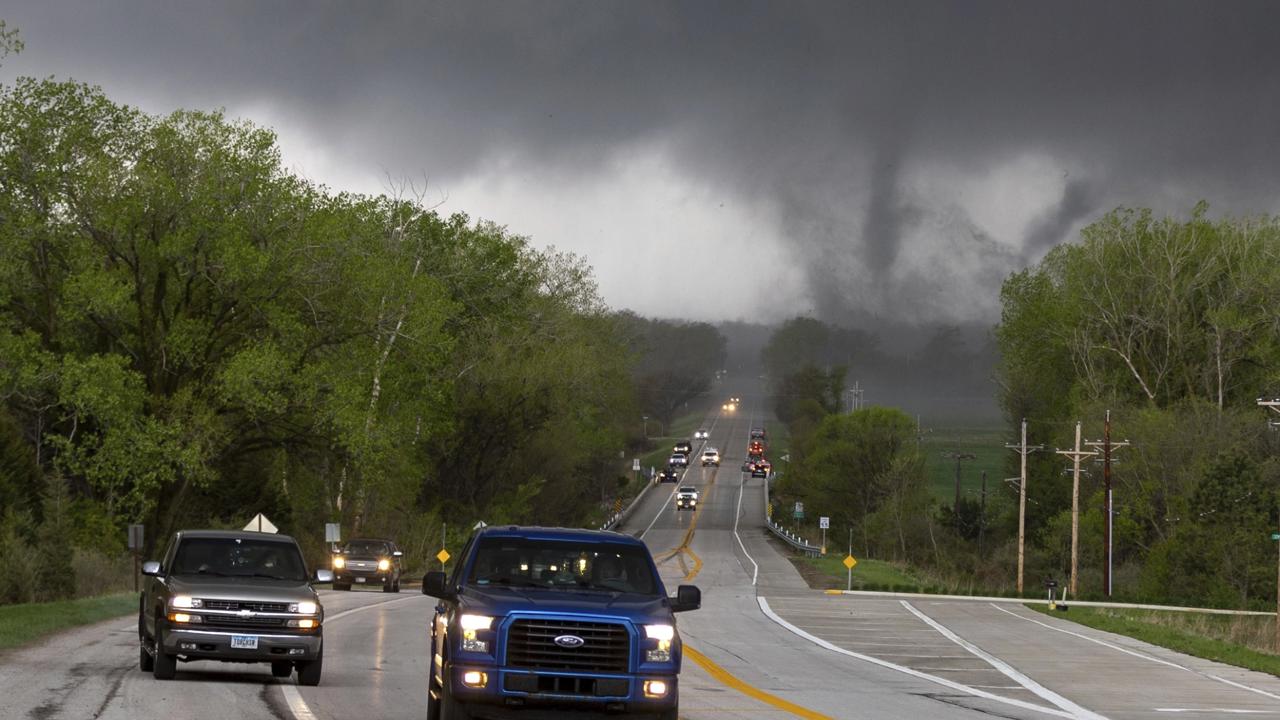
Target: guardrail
[
  {"x": 613, "y": 520},
  {"x": 784, "y": 534}
]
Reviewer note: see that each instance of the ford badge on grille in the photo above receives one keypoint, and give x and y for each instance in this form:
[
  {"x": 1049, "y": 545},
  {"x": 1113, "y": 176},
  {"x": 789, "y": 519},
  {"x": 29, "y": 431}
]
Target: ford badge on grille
[{"x": 569, "y": 641}]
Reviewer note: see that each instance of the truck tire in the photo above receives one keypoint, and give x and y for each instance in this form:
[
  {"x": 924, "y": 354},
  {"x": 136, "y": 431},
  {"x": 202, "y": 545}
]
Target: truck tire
[
  {"x": 164, "y": 666},
  {"x": 145, "y": 661},
  {"x": 309, "y": 670},
  {"x": 433, "y": 697},
  {"x": 450, "y": 708}
]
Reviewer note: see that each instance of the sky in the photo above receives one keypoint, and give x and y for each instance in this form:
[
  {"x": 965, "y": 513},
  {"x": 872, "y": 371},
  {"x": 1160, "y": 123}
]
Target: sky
[{"x": 862, "y": 162}]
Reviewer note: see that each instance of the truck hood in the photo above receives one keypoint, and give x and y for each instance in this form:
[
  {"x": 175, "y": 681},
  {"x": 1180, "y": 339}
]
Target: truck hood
[
  {"x": 257, "y": 589},
  {"x": 500, "y": 600}
]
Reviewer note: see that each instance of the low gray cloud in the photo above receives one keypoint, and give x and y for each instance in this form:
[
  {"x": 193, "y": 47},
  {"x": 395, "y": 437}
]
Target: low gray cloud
[{"x": 831, "y": 121}]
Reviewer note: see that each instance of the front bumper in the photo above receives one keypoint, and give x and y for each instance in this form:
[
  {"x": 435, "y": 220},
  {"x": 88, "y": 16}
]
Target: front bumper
[
  {"x": 523, "y": 693},
  {"x": 216, "y": 645},
  {"x": 361, "y": 577}
]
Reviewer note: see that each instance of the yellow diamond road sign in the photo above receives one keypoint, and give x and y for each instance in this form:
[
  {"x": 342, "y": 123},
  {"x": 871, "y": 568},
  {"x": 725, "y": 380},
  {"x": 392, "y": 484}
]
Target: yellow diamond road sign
[
  {"x": 849, "y": 562},
  {"x": 443, "y": 556}
]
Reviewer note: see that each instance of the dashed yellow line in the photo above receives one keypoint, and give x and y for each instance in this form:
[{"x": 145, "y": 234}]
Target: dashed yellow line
[{"x": 726, "y": 678}]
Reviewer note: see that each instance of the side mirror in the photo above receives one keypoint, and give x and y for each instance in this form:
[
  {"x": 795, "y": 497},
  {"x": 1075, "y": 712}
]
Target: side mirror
[
  {"x": 151, "y": 567},
  {"x": 397, "y": 554},
  {"x": 688, "y": 597},
  {"x": 324, "y": 576},
  {"x": 433, "y": 584}
]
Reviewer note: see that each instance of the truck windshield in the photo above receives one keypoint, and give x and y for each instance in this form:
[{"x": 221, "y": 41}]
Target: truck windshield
[
  {"x": 239, "y": 557},
  {"x": 366, "y": 547},
  {"x": 565, "y": 565}
]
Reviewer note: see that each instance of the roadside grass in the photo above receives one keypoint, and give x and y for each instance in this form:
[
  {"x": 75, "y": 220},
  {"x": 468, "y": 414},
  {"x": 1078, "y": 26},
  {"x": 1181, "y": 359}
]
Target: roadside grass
[
  {"x": 21, "y": 624},
  {"x": 983, "y": 440},
  {"x": 867, "y": 574},
  {"x": 1245, "y": 641}
]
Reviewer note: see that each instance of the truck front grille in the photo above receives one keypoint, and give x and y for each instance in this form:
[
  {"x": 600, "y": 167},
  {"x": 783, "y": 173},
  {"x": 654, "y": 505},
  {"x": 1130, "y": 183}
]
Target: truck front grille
[
  {"x": 245, "y": 605},
  {"x": 606, "y": 647},
  {"x": 235, "y": 621}
]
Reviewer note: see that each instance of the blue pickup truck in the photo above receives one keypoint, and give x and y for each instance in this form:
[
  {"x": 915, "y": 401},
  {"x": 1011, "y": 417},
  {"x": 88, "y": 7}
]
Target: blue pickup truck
[{"x": 552, "y": 622}]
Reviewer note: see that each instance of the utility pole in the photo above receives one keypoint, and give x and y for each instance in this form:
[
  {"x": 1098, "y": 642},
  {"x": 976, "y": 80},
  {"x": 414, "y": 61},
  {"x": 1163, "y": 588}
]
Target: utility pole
[
  {"x": 1024, "y": 451},
  {"x": 1108, "y": 510},
  {"x": 958, "y": 456},
  {"x": 1275, "y": 405},
  {"x": 1076, "y": 456}
]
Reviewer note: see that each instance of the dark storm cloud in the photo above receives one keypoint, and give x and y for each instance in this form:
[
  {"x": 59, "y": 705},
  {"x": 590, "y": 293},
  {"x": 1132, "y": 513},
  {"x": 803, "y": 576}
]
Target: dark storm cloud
[{"x": 826, "y": 111}]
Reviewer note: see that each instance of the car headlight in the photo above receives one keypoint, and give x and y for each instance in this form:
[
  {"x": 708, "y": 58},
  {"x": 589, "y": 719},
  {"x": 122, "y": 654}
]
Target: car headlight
[
  {"x": 384, "y": 564},
  {"x": 471, "y": 625},
  {"x": 339, "y": 562},
  {"x": 185, "y": 601},
  {"x": 664, "y": 634},
  {"x": 305, "y": 607}
]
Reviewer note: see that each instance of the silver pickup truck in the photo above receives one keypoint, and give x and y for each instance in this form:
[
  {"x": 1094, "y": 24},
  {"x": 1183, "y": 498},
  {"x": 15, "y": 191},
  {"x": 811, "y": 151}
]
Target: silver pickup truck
[
  {"x": 232, "y": 596},
  {"x": 687, "y": 498}
]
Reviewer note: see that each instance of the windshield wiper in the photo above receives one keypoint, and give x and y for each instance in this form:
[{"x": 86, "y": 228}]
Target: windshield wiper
[
  {"x": 517, "y": 583},
  {"x": 587, "y": 585}
]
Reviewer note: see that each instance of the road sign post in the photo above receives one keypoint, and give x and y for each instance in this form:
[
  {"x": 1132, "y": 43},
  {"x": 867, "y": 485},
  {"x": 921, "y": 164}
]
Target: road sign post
[
  {"x": 824, "y": 522},
  {"x": 135, "y": 548}
]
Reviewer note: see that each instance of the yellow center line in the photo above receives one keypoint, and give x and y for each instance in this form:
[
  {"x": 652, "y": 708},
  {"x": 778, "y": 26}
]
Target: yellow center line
[
  {"x": 726, "y": 678},
  {"x": 683, "y": 547}
]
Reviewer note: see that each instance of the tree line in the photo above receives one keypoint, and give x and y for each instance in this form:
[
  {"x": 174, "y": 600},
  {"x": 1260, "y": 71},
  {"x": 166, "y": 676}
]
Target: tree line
[
  {"x": 1172, "y": 324},
  {"x": 190, "y": 333}
]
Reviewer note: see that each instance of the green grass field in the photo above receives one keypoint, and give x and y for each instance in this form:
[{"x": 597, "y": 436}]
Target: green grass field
[
  {"x": 867, "y": 574},
  {"x": 1245, "y": 641},
  {"x": 985, "y": 442},
  {"x": 21, "y": 624}
]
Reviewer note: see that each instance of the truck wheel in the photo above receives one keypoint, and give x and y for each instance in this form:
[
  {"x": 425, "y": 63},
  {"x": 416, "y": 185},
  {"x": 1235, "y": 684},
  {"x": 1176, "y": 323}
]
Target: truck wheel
[
  {"x": 450, "y": 708},
  {"x": 433, "y": 697},
  {"x": 388, "y": 587},
  {"x": 145, "y": 661},
  {"x": 163, "y": 665},
  {"x": 342, "y": 586},
  {"x": 281, "y": 668},
  {"x": 309, "y": 671}
]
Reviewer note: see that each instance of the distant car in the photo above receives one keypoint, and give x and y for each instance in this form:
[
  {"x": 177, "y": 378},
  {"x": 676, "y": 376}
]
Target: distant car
[
  {"x": 687, "y": 498},
  {"x": 761, "y": 469},
  {"x": 678, "y": 460},
  {"x": 755, "y": 450},
  {"x": 684, "y": 446},
  {"x": 368, "y": 561},
  {"x": 757, "y": 433},
  {"x": 669, "y": 475},
  {"x": 701, "y": 435},
  {"x": 711, "y": 456}
]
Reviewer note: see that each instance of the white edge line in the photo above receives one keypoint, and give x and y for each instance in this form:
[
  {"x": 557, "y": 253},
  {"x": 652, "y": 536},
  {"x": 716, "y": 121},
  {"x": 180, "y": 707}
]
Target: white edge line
[
  {"x": 764, "y": 607},
  {"x": 1137, "y": 654},
  {"x": 297, "y": 706},
  {"x": 1004, "y": 667},
  {"x": 755, "y": 574}
]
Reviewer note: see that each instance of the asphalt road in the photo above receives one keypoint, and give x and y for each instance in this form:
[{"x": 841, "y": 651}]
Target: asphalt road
[{"x": 772, "y": 650}]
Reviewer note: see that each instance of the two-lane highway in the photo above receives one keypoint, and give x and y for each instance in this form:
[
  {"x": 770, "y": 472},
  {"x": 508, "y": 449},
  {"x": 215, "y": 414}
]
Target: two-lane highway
[{"x": 763, "y": 645}]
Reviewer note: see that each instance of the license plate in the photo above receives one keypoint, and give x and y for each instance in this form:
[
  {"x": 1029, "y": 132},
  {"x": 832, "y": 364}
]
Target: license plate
[
  {"x": 244, "y": 642},
  {"x": 359, "y": 580}
]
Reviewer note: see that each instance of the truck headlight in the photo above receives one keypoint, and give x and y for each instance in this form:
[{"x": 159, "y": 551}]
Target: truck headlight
[
  {"x": 185, "y": 601},
  {"x": 305, "y": 607},
  {"x": 339, "y": 562},
  {"x": 664, "y": 634},
  {"x": 384, "y": 565},
  {"x": 471, "y": 625}
]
